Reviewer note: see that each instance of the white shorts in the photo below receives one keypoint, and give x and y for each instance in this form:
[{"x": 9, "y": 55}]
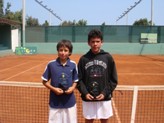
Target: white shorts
[
  {"x": 97, "y": 110},
  {"x": 66, "y": 115}
]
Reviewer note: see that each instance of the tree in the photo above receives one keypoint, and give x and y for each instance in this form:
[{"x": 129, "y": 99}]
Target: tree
[
  {"x": 103, "y": 24},
  {"x": 30, "y": 21},
  {"x": 16, "y": 16},
  {"x": 143, "y": 22},
  {"x": 45, "y": 23},
  {"x": 74, "y": 23},
  {"x": 7, "y": 9},
  {"x": 81, "y": 23},
  {"x": 1, "y": 8},
  {"x": 67, "y": 23}
]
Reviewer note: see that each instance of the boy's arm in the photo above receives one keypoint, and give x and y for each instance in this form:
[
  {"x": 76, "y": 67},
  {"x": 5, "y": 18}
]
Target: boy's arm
[
  {"x": 112, "y": 82},
  {"x": 75, "y": 81},
  {"x": 81, "y": 86},
  {"x": 71, "y": 89},
  {"x": 57, "y": 91}
]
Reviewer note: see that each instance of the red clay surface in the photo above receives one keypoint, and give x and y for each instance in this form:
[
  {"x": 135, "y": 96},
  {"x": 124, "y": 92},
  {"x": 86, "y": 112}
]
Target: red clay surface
[
  {"x": 31, "y": 104},
  {"x": 132, "y": 70}
]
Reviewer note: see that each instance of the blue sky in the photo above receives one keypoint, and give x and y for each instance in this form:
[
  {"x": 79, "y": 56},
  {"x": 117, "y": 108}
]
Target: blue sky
[{"x": 95, "y": 12}]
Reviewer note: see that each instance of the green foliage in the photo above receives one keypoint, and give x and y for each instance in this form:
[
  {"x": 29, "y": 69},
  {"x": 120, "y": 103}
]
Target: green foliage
[
  {"x": 67, "y": 23},
  {"x": 142, "y": 22},
  {"x": 30, "y": 21},
  {"x": 74, "y": 23},
  {"x": 16, "y": 16},
  {"x": 81, "y": 23},
  {"x": 1, "y": 8},
  {"x": 45, "y": 23},
  {"x": 103, "y": 24},
  {"x": 7, "y": 9}
]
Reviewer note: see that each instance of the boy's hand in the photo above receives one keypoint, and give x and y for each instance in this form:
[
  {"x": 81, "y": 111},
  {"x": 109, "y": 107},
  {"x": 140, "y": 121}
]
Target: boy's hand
[
  {"x": 89, "y": 97},
  {"x": 100, "y": 97},
  {"x": 58, "y": 91},
  {"x": 70, "y": 90}
]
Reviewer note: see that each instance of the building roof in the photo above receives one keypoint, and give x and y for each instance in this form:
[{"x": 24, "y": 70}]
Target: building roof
[{"x": 9, "y": 22}]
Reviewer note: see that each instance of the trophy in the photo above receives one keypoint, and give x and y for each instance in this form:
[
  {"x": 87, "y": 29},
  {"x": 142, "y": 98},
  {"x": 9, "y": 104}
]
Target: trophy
[
  {"x": 63, "y": 82},
  {"x": 94, "y": 89},
  {"x": 95, "y": 79}
]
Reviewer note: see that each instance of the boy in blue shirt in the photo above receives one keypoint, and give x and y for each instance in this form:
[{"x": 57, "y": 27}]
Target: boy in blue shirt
[{"x": 60, "y": 76}]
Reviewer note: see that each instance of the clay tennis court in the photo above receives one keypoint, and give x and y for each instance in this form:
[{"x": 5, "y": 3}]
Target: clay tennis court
[{"x": 134, "y": 70}]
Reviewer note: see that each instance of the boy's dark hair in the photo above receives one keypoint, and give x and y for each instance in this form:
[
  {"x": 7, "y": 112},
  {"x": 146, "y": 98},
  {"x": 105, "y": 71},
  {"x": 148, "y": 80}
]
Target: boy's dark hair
[
  {"x": 65, "y": 43},
  {"x": 95, "y": 33}
]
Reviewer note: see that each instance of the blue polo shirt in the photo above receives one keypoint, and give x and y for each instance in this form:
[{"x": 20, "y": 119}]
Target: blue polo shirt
[{"x": 53, "y": 72}]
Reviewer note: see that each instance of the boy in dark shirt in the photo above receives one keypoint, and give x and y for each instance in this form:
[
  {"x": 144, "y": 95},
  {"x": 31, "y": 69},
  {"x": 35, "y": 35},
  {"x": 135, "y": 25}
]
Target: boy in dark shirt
[{"x": 97, "y": 80}]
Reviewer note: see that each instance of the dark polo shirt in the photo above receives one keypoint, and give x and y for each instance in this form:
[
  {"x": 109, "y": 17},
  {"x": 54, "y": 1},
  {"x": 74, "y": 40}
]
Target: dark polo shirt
[{"x": 53, "y": 72}]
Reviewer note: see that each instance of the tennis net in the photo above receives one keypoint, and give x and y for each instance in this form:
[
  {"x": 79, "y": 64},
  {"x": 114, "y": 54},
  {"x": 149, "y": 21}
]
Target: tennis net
[{"x": 27, "y": 102}]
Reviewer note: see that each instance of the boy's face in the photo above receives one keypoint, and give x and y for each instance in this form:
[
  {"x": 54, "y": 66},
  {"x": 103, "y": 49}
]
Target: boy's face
[
  {"x": 63, "y": 53},
  {"x": 95, "y": 44}
]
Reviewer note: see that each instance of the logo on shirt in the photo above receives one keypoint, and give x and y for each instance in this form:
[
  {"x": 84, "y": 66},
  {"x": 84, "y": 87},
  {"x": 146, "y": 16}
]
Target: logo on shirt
[{"x": 96, "y": 62}]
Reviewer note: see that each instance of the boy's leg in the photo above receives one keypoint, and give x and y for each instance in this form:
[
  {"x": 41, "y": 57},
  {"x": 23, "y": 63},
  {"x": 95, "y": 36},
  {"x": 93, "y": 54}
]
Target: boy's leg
[
  {"x": 54, "y": 116},
  {"x": 70, "y": 115},
  {"x": 89, "y": 121},
  {"x": 104, "y": 120}
]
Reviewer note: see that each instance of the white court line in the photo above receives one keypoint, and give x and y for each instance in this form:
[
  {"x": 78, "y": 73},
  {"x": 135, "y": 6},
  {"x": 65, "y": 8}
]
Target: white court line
[
  {"x": 116, "y": 111},
  {"x": 23, "y": 71},
  {"x": 13, "y": 67}
]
